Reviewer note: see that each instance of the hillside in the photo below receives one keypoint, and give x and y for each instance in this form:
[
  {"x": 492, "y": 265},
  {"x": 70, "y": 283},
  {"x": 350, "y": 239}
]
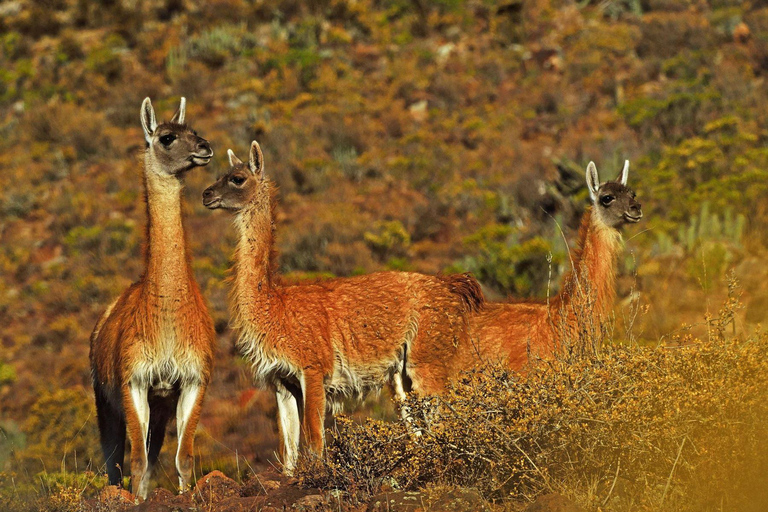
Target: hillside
[{"x": 432, "y": 136}]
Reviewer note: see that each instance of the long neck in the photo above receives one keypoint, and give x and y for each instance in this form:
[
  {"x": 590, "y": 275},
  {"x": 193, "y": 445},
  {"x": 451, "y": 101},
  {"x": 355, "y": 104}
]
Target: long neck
[
  {"x": 167, "y": 265},
  {"x": 594, "y": 275},
  {"x": 253, "y": 263}
]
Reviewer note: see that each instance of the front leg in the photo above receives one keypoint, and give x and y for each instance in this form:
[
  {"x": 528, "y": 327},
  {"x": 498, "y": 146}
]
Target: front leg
[
  {"x": 187, "y": 415},
  {"x": 135, "y": 400},
  {"x": 289, "y": 427},
  {"x": 314, "y": 411}
]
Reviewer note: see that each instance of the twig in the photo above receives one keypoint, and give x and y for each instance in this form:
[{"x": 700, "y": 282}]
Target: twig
[
  {"x": 669, "y": 479},
  {"x": 615, "y": 478}
]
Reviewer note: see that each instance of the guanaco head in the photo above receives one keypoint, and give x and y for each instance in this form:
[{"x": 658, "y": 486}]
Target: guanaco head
[
  {"x": 613, "y": 201},
  {"x": 244, "y": 184},
  {"x": 174, "y": 146}
]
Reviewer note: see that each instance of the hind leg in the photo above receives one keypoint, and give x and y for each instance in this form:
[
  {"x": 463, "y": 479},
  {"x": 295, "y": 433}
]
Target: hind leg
[
  {"x": 112, "y": 434},
  {"x": 158, "y": 420}
]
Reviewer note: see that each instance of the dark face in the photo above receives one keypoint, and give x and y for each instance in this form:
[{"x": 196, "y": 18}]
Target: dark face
[
  {"x": 616, "y": 205},
  {"x": 178, "y": 148},
  {"x": 236, "y": 189}
]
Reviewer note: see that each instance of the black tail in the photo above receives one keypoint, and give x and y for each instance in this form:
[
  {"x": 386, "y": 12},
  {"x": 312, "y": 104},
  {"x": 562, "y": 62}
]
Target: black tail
[
  {"x": 112, "y": 433},
  {"x": 468, "y": 289}
]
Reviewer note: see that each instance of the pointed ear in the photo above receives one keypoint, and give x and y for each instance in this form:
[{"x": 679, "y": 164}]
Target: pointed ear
[
  {"x": 148, "y": 120},
  {"x": 624, "y": 173},
  {"x": 233, "y": 160},
  {"x": 256, "y": 160},
  {"x": 593, "y": 181},
  {"x": 180, "y": 114}
]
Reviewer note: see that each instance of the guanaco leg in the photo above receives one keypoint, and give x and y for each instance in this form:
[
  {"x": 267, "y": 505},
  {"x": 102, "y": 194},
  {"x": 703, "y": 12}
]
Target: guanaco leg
[
  {"x": 314, "y": 412},
  {"x": 135, "y": 396},
  {"x": 289, "y": 426},
  {"x": 187, "y": 416}
]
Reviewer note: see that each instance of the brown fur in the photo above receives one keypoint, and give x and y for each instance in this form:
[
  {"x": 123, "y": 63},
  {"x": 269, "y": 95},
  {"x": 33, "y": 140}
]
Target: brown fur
[
  {"x": 509, "y": 332},
  {"x": 158, "y": 333},
  {"x": 320, "y": 342}
]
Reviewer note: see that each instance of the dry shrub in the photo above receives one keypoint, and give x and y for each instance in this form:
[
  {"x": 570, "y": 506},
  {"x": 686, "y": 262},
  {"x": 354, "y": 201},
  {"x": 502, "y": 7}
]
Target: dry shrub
[{"x": 674, "y": 427}]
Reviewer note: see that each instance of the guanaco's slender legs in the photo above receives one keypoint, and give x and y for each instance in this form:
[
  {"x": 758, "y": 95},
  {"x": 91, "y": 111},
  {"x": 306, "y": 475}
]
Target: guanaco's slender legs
[
  {"x": 289, "y": 425},
  {"x": 112, "y": 431},
  {"x": 314, "y": 411},
  {"x": 187, "y": 416},
  {"x": 137, "y": 421},
  {"x": 158, "y": 420}
]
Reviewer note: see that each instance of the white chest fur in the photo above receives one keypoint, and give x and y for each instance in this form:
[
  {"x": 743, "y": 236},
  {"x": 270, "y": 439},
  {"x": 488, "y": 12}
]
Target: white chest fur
[{"x": 167, "y": 363}]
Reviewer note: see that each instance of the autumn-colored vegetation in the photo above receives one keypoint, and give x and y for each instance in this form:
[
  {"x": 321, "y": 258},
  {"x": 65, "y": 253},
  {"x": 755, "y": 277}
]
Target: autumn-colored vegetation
[
  {"x": 443, "y": 136},
  {"x": 675, "y": 427}
]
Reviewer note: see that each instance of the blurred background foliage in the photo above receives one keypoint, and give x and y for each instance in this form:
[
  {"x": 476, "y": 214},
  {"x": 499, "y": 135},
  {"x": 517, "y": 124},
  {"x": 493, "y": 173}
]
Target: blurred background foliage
[{"x": 429, "y": 136}]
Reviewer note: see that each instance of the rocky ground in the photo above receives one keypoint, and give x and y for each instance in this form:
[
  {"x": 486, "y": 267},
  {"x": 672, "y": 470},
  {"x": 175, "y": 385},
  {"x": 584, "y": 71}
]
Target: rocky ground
[{"x": 270, "y": 492}]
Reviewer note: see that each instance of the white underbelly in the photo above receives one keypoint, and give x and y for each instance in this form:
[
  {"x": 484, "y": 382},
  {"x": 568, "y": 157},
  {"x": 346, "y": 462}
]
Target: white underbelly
[
  {"x": 167, "y": 366},
  {"x": 357, "y": 381}
]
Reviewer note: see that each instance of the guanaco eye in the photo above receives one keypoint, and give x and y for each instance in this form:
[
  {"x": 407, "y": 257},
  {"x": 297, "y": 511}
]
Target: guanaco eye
[
  {"x": 606, "y": 200},
  {"x": 166, "y": 140},
  {"x": 237, "y": 180}
]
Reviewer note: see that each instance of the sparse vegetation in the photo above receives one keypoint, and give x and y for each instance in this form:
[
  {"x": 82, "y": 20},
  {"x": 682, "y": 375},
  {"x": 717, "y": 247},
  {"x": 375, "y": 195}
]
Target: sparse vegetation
[{"x": 428, "y": 136}]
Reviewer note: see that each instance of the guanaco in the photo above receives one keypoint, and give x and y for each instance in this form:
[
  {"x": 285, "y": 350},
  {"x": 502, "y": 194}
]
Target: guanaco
[
  {"x": 152, "y": 350},
  {"x": 508, "y": 332},
  {"x": 317, "y": 343}
]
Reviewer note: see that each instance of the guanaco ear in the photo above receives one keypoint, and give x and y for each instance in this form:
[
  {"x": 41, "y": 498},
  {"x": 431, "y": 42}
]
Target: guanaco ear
[
  {"x": 256, "y": 160},
  {"x": 593, "y": 181},
  {"x": 233, "y": 160},
  {"x": 148, "y": 119},
  {"x": 624, "y": 173},
  {"x": 180, "y": 114}
]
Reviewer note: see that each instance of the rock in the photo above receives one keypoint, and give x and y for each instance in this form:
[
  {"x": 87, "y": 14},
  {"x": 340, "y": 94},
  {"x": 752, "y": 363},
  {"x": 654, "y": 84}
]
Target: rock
[
  {"x": 553, "y": 503},
  {"x": 214, "y": 487}
]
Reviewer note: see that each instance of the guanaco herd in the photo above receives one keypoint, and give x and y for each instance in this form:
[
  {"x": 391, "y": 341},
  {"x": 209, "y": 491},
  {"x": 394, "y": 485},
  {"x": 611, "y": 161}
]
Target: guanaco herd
[{"x": 313, "y": 344}]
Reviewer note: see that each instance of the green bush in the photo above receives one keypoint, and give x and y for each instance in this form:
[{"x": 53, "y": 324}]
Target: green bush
[
  {"x": 389, "y": 239},
  {"x": 507, "y": 264}
]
